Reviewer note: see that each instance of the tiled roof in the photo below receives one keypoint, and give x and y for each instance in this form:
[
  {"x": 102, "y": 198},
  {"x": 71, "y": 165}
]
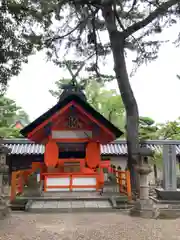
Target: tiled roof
[{"x": 26, "y": 147}]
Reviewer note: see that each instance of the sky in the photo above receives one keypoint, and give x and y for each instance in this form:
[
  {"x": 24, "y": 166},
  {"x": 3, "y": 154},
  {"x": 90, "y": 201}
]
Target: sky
[{"x": 155, "y": 85}]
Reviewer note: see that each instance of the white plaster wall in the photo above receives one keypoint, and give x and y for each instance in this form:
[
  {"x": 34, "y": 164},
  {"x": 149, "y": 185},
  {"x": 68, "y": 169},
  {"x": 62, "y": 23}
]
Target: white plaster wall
[
  {"x": 57, "y": 181},
  {"x": 86, "y": 181},
  {"x": 119, "y": 161},
  {"x": 71, "y": 134}
]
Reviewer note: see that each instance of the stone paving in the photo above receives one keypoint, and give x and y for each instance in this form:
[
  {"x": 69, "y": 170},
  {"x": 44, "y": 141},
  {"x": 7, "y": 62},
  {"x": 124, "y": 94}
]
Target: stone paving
[
  {"x": 70, "y": 204},
  {"x": 87, "y": 226}
]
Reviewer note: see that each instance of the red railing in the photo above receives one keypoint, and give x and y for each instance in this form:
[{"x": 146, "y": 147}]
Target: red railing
[
  {"x": 19, "y": 179},
  {"x": 17, "y": 183},
  {"x": 123, "y": 180}
]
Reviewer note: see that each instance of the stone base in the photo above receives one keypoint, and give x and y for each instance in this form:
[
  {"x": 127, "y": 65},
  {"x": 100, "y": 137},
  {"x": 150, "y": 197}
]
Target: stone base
[
  {"x": 4, "y": 209},
  {"x": 168, "y": 194},
  {"x": 32, "y": 193},
  {"x": 144, "y": 209},
  {"x": 35, "y": 191}
]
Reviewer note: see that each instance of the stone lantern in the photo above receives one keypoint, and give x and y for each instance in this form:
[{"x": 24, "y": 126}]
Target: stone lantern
[
  {"x": 3, "y": 170},
  {"x": 144, "y": 206}
]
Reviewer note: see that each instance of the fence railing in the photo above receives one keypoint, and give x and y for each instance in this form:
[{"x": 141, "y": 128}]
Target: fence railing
[
  {"x": 19, "y": 179},
  {"x": 123, "y": 181},
  {"x": 16, "y": 184},
  {"x": 71, "y": 181}
]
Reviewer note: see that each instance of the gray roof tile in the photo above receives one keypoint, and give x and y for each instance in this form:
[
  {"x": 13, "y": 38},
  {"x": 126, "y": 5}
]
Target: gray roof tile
[{"x": 25, "y": 147}]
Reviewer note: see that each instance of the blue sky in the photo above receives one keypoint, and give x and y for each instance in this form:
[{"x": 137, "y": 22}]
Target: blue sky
[{"x": 155, "y": 86}]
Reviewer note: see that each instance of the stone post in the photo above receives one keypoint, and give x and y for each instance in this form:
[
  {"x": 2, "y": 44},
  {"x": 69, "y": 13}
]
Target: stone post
[
  {"x": 4, "y": 209},
  {"x": 169, "y": 192},
  {"x": 169, "y": 168},
  {"x": 144, "y": 206}
]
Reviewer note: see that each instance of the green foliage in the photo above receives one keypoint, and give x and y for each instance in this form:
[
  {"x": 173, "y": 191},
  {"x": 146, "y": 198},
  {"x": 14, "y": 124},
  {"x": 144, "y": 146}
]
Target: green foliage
[
  {"x": 9, "y": 132},
  {"x": 158, "y": 159},
  {"x": 147, "y": 129},
  {"x": 15, "y": 49},
  {"x": 93, "y": 92},
  {"x": 146, "y": 121},
  {"x": 59, "y": 87},
  {"x": 9, "y": 114},
  {"x": 112, "y": 107},
  {"x": 7, "y": 109},
  {"x": 22, "y": 116},
  {"x": 170, "y": 130}
]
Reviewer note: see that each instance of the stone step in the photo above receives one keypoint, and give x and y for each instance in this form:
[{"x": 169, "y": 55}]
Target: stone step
[
  {"x": 76, "y": 196},
  {"x": 169, "y": 213},
  {"x": 18, "y": 204},
  {"x": 121, "y": 199},
  {"x": 124, "y": 206},
  {"x": 54, "y": 206}
]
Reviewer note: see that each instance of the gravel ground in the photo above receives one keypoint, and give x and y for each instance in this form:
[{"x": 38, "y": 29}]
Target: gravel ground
[{"x": 101, "y": 226}]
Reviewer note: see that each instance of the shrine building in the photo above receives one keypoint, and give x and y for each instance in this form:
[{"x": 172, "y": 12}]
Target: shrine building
[{"x": 71, "y": 133}]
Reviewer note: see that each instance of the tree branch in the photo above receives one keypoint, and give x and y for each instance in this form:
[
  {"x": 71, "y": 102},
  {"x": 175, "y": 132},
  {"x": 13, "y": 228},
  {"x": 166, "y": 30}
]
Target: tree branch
[
  {"x": 50, "y": 40},
  {"x": 141, "y": 24},
  {"x": 132, "y": 7},
  {"x": 117, "y": 17}
]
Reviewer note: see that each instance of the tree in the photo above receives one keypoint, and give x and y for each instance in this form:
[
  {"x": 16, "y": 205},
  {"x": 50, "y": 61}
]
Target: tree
[
  {"x": 22, "y": 116},
  {"x": 129, "y": 23},
  {"x": 59, "y": 87},
  {"x": 169, "y": 130},
  {"x": 148, "y": 130},
  {"x": 9, "y": 113},
  {"x": 14, "y": 49},
  {"x": 93, "y": 92},
  {"x": 112, "y": 107},
  {"x": 107, "y": 102}
]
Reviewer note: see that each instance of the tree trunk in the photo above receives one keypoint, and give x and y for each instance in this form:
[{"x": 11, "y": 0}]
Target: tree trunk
[{"x": 132, "y": 115}]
